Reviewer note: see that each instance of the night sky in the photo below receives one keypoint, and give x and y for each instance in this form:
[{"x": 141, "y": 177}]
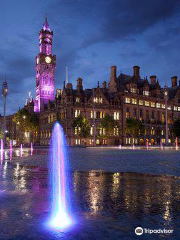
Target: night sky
[{"x": 89, "y": 37}]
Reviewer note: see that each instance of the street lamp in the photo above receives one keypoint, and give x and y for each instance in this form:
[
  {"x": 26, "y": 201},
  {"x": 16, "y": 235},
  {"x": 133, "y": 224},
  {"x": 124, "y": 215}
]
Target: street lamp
[
  {"x": 94, "y": 123},
  {"x": 4, "y": 94},
  {"x": 166, "y": 101}
]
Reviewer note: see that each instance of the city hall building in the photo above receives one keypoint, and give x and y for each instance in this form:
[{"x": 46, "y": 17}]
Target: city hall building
[{"x": 122, "y": 97}]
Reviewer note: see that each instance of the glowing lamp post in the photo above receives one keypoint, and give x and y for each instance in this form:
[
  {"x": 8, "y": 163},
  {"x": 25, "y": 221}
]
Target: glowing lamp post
[
  {"x": 166, "y": 101},
  {"x": 4, "y": 93}
]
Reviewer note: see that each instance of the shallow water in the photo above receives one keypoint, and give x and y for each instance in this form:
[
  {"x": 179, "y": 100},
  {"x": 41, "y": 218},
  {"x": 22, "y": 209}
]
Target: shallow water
[{"x": 105, "y": 205}]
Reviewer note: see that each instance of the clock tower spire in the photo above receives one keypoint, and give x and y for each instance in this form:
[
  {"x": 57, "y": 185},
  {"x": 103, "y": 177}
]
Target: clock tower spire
[{"x": 45, "y": 68}]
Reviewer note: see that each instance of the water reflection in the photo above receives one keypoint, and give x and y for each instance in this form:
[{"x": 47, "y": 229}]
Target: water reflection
[{"x": 124, "y": 197}]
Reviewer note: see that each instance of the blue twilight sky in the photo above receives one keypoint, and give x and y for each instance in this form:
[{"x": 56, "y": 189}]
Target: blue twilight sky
[{"x": 89, "y": 37}]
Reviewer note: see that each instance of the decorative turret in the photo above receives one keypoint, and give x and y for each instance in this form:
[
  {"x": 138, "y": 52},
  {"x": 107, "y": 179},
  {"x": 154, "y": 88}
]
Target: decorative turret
[
  {"x": 79, "y": 84},
  {"x": 46, "y": 25},
  {"x": 113, "y": 80},
  {"x": 153, "y": 79},
  {"x": 174, "y": 81},
  {"x": 136, "y": 71}
]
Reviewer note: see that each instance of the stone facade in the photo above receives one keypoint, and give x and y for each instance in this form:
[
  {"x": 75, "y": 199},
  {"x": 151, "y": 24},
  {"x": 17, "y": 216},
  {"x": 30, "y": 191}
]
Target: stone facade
[{"x": 126, "y": 96}]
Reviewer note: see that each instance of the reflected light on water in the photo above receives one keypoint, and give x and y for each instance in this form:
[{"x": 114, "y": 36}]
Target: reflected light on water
[
  {"x": 96, "y": 183},
  {"x": 5, "y": 170},
  {"x": 167, "y": 215},
  {"x": 115, "y": 185}
]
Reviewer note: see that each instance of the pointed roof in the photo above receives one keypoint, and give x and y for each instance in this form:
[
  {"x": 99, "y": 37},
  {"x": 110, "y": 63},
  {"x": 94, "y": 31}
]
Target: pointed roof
[{"x": 46, "y": 24}]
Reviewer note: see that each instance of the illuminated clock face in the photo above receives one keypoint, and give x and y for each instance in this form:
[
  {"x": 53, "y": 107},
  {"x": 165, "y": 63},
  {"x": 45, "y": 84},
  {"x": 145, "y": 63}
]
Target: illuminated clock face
[
  {"x": 48, "y": 59},
  {"x": 37, "y": 60}
]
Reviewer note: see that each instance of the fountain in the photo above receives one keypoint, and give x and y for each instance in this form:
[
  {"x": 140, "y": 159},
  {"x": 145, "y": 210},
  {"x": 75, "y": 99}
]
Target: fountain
[
  {"x": 10, "y": 149},
  {"x": 120, "y": 147},
  {"x": 133, "y": 147},
  {"x": 59, "y": 180},
  {"x": 147, "y": 145},
  {"x": 2, "y": 151},
  {"x": 176, "y": 143},
  {"x": 31, "y": 148}
]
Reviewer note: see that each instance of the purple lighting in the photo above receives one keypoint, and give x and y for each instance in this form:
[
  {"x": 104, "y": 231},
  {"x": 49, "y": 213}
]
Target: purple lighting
[
  {"x": 60, "y": 218},
  {"x": 31, "y": 148},
  {"x": 21, "y": 150},
  {"x": 2, "y": 151},
  {"x": 45, "y": 69},
  {"x": 176, "y": 143}
]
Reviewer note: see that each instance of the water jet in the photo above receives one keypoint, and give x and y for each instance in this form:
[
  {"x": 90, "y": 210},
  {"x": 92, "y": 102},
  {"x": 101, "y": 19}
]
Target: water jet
[{"x": 59, "y": 180}]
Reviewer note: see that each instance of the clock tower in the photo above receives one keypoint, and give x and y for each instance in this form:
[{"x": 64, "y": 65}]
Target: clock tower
[{"x": 45, "y": 69}]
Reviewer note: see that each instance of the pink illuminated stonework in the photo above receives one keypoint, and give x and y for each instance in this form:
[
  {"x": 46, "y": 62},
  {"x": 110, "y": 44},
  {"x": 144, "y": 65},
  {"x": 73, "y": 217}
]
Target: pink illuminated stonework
[{"x": 45, "y": 69}]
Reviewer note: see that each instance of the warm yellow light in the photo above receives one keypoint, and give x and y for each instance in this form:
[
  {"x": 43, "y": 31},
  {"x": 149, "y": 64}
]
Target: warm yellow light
[{"x": 48, "y": 59}]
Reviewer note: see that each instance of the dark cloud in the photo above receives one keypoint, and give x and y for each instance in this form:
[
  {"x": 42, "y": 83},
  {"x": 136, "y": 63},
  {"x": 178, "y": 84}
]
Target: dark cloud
[{"x": 89, "y": 37}]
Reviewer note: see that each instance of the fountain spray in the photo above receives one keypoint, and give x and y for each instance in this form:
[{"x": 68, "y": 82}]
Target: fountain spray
[{"x": 60, "y": 218}]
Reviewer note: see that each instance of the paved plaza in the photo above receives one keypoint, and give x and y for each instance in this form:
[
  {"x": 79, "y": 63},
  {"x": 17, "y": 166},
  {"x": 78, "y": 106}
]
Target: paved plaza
[{"x": 112, "y": 192}]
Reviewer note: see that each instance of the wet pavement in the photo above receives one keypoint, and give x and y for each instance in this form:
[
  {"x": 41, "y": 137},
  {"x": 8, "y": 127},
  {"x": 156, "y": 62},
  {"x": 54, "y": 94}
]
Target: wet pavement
[
  {"x": 111, "y": 160},
  {"x": 105, "y": 205}
]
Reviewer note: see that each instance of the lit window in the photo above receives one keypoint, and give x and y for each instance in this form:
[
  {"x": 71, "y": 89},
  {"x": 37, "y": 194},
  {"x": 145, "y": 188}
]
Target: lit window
[
  {"x": 178, "y": 109},
  {"x": 163, "y": 118},
  {"x": 91, "y": 131},
  {"x": 146, "y": 103},
  {"x": 163, "y": 106},
  {"x": 104, "y": 131},
  {"x": 77, "y": 142},
  {"x": 158, "y": 105},
  {"x": 134, "y": 101},
  {"x": 97, "y": 141},
  {"x": 93, "y": 114},
  {"x": 116, "y": 115},
  {"x": 52, "y": 118},
  {"x": 116, "y": 131},
  {"x": 175, "y": 108},
  {"x": 140, "y": 102},
  {"x": 128, "y": 140},
  {"x": 153, "y": 104},
  {"x": 101, "y": 114},
  {"x": 77, "y": 130},
  {"x": 77, "y": 99},
  {"x": 169, "y": 108},
  {"x": 127, "y": 100},
  {"x": 133, "y": 90},
  {"x": 152, "y": 131},
  {"x": 146, "y": 93},
  {"x": 98, "y": 99},
  {"x": 77, "y": 113},
  {"x": 101, "y": 131},
  {"x": 127, "y": 114}
]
